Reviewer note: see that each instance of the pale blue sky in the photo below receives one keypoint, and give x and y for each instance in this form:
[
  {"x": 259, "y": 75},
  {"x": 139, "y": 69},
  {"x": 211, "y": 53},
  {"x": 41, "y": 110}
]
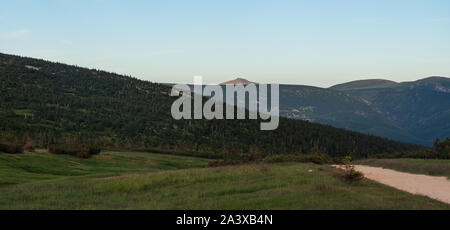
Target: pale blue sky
[{"x": 317, "y": 43}]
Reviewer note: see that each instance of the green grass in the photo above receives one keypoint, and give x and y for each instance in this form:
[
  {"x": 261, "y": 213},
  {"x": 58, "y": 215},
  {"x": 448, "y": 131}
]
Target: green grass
[
  {"x": 115, "y": 180},
  {"x": 44, "y": 166},
  {"x": 433, "y": 167}
]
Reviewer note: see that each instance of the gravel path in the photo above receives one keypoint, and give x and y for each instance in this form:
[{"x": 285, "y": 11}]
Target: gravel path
[{"x": 432, "y": 186}]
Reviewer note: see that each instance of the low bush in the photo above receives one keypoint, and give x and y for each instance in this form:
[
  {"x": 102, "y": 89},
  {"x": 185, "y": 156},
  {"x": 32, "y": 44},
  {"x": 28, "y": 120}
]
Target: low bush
[
  {"x": 9, "y": 148},
  {"x": 318, "y": 158},
  {"x": 79, "y": 151},
  {"x": 350, "y": 174},
  {"x": 56, "y": 149},
  {"x": 29, "y": 146},
  {"x": 93, "y": 151},
  {"x": 81, "y": 155}
]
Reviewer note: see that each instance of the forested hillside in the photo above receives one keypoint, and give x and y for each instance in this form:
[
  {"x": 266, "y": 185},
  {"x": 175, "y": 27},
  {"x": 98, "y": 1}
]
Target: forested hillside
[
  {"x": 420, "y": 108},
  {"x": 413, "y": 112},
  {"x": 50, "y": 102}
]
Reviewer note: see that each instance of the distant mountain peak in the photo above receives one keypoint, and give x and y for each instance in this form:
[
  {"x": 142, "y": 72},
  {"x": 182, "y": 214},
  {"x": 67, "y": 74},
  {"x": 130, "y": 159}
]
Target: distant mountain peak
[
  {"x": 238, "y": 81},
  {"x": 365, "y": 84},
  {"x": 434, "y": 79},
  {"x": 382, "y": 83}
]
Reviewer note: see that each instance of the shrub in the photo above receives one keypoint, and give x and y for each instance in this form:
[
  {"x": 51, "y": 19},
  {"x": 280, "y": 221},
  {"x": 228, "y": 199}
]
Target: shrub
[
  {"x": 8, "y": 148},
  {"x": 57, "y": 149},
  {"x": 351, "y": 175},
  {"x": 29, "y": 146},
  {"x": 354, "y": 175},
  {"x": 79, "y": 151},
  {"x": 318, "y": 158},
  {"x": 81, "y": 155},
  {"x": 442, "y": 148},
  {"x": 94, "y": 151}
]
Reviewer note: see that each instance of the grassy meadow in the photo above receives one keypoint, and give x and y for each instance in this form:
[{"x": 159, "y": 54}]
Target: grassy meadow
[
  {"x": 133, "y": 180},
  {"x": 433, "y": 167},
  {"x": 44, "y": 166}
]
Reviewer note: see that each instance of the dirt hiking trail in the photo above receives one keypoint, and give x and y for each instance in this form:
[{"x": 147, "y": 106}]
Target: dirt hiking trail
[{"x": 436, "y": 187}]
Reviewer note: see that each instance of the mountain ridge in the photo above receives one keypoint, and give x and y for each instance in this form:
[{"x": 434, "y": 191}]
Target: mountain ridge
[
  {"x": 421, "y": 107},
  {"x": 375, "y": 106},
  {"x": 366, "y": 83},
  {"x": 54, "y": 102}
]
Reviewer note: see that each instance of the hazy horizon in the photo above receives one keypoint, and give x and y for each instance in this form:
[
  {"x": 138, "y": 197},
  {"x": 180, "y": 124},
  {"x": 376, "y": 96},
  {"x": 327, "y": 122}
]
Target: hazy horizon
[{"x": 318, "y": 43}]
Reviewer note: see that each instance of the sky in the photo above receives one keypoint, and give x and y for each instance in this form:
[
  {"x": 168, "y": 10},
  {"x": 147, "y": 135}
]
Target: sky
[{"x": 318, "y": 43}]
